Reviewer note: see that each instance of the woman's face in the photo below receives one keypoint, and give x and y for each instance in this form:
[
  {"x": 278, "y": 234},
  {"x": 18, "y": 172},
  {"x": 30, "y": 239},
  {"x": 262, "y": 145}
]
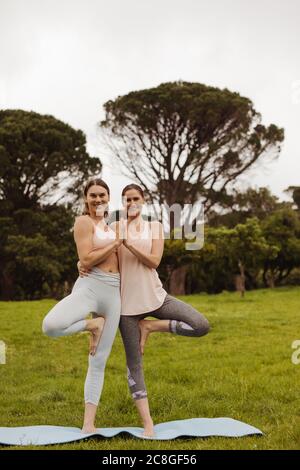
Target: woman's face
[
  {"x": 97, "y": 199},
  {"x": 133, "y": 202}
]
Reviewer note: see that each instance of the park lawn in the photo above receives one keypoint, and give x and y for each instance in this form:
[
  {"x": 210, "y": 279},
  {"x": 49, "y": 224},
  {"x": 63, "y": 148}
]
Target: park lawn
[{"x": 242, "y": 369}]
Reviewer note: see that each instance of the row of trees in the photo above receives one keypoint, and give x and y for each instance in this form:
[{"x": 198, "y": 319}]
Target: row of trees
[
  {"x": 252, "y": 254},
  {"x": 39, "y": 255},
  {"x": 182, "y": 142}
]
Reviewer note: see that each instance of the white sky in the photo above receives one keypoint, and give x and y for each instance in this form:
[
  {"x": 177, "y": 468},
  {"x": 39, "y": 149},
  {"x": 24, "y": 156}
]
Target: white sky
[{"x": 68, "y": 57}]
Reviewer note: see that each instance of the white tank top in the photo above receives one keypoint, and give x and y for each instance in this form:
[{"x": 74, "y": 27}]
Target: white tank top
[{"x": 102, "y": 238}]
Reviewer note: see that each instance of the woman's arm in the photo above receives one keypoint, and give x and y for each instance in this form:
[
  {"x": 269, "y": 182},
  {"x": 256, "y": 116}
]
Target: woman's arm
[
  {"x": 83, "y": 235},
  {"x": 152, "y": 260}
]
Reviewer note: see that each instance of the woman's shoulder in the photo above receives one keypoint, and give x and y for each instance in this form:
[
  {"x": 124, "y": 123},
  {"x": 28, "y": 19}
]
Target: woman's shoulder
[
  {"x": 82, "y": 218},
  {"x": 83, "y": 221},
  {"x": 155, "y": 223},
  {"x": 156, "y": 228}
]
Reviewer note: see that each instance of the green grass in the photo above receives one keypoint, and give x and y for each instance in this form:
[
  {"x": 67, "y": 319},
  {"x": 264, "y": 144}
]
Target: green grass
[{"x": 242, "y": 369}]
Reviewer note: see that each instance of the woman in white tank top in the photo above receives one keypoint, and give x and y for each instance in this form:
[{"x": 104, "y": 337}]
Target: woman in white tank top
[{"x": 98, "y": 293}]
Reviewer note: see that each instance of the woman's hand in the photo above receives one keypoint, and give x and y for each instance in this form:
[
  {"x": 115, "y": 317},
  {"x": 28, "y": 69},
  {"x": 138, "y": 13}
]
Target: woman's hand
[
  {"x": 81, "y": 270},
  {"x": 120, "y": 232},
  {"x": 124, "y": 230},
  {"x": 126, "y": 243}
]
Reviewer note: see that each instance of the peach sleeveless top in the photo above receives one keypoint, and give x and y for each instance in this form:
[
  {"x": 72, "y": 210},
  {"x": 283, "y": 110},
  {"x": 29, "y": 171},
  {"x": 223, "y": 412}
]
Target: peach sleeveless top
[{"x": 141, "y": 288}]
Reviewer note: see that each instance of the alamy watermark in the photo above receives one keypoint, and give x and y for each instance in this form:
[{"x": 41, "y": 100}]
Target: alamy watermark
[
  {"x": 296, "y": 354},
  {"x": 2, "y": 352},
  {"x": 180, "y": 222}
]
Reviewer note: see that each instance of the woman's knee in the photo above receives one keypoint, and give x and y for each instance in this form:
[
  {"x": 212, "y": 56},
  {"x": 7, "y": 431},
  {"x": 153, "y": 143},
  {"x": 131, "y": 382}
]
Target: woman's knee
[
  {"x": 98, "y": 362},
  {"x": 49, "y": 327},
  {"x": 202, "y": 327},
  {"x": 98, "y": 366}
]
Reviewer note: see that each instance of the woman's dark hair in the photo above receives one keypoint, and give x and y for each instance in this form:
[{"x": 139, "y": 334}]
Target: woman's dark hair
[
  {"x": 133, "y": 186},
  {"x": 94, "y": 182}
]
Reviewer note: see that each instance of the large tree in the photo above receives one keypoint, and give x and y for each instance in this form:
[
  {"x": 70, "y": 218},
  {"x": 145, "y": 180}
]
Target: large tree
[
  {"x": 43, "y": 164},
  {"x": 184, "y": 141},
  {"x": 41, "y": 158}
]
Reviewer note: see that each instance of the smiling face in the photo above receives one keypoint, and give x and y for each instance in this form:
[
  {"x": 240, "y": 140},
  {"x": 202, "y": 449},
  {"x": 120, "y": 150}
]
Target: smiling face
[
  {"x": 133, "y": 202},
  {"x": 97, "y": 199}
]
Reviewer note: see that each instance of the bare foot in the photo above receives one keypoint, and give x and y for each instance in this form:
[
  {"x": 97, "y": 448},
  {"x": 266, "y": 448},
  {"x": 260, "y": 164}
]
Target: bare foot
[
  {"x": 148, "y": 430},
  {"x": 95, "y": 327},
  {"x": 88, "y": 429},
  {"x": 145, "y": 330}
]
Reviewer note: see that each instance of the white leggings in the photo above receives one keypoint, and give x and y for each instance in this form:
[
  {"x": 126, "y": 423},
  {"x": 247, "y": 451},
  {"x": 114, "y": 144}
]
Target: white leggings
[{"x": 99, "y": 294}]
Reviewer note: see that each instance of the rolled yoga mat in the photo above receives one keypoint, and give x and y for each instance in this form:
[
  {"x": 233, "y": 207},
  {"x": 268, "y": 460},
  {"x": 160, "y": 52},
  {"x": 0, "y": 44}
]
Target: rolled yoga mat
[{"x": 195, "y": 427}]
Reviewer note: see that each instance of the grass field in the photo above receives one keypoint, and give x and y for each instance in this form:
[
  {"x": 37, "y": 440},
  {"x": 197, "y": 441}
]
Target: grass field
[{"x": 242, "y": 369}]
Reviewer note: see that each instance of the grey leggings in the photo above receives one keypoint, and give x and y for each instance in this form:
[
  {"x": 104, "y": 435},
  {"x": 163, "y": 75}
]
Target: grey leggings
[
  {"x": 97, "y": 293},
  {"x": 183, "y": 320}
]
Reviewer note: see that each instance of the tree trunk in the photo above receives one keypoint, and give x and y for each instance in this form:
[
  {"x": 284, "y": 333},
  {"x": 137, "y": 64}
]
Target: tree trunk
[
  {"x": 177, "y": 281},
  {"x": 67, "y": 289},
  {"x": 240, "y": 280},
  {"x": 270, "y": 279},
  {"x": 265, "y": 278},
  {"x": 7, "y": 286}
]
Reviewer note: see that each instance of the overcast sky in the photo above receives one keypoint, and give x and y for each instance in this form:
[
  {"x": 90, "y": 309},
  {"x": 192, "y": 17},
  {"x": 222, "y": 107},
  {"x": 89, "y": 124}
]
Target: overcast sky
[{"x": 66, "y": 58}]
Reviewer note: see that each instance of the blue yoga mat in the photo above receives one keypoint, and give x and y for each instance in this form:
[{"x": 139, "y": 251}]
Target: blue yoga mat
[{"x": 195, "y": 427}]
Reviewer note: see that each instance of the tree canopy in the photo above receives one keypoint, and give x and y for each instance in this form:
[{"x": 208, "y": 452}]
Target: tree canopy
[
  {"x": 184, "y": 141},
  {"x": 40, "y": 157}
]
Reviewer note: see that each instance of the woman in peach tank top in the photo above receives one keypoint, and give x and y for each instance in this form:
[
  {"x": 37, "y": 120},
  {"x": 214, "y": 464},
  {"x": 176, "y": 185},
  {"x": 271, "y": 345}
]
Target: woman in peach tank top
[
  {"x": 142, "y": 295},
  {"x": 151, "y": 294}
]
